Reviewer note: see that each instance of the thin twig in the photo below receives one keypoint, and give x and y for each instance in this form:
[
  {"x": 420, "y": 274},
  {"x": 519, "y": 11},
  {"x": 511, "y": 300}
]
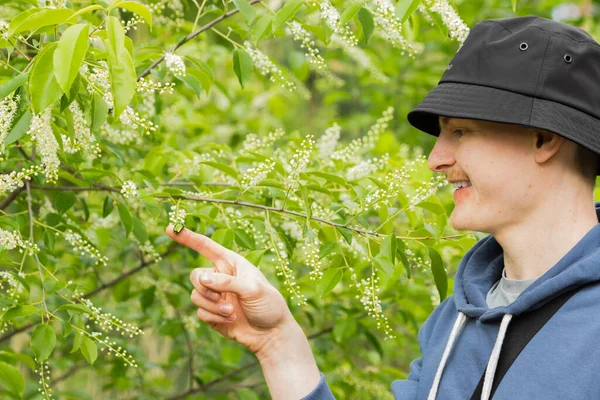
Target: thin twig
[
  {"x": 32, "y": 240},
  {"x": 191, "y": 36}
]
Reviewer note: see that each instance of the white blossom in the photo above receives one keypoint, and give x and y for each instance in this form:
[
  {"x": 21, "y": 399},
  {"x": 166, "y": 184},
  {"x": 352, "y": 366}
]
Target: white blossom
[
  {"x": 129, "y": 190},
  {"x": 390, "y": 25},
  {"x": 83, "y": 140},
  {"x": 266, "y": 67},
  {"x": 457, "y": 29},
  {"x": 302, "y": 35},
  {"x": 175, "y": 64},
  {"x": 41, "y": 132},
  {"x": 328, "y": 142},
  {"x": 4, "y": 29},
  {"x": 14, "y": 286},
  {"x": 11, "y": 240},
  {"x": 367, "y": 167},
  {"x": 14, "y": 180},
  {"x": 8, "y": 109},
  {"x": 83, "y": 247},
  {"x": 177, "y": 215},
  {"x": 98, "y": 81},
  {"x": 255, "y": 175},
  {"x": 332, "y": 19},
  {"x": 298, "y": 163},
  {"x": 146, "y": 85},
  {"x": 133, "y": 119},
  {"x": 254, "y": 143}
]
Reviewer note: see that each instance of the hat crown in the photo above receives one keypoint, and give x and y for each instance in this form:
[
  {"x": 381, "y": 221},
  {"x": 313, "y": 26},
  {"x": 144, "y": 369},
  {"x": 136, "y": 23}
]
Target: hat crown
[{"x": 532, "y": 56}]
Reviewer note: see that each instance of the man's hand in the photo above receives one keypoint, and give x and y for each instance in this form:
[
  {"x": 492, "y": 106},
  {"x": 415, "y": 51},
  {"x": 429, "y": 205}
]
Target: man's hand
[{"x": 259, "y": 313}]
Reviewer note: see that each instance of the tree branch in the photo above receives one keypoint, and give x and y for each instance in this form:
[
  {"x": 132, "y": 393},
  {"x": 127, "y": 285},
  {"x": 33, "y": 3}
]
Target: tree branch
[{"x": 191, "y": 36}]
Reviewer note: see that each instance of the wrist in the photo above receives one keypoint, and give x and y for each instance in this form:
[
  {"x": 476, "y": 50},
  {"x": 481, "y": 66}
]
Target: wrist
[{"x": 281, "y": 342}]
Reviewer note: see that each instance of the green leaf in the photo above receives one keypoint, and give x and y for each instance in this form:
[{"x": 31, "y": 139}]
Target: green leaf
[
  {"x": 246, "y": 9},
  {"x": 49, "y": 238},
  {"x": 88, "y": 9},
  {"x": 64, "y": 201},
  {"x": 69, "y": 54},
  {"x": 388, "y": 247},
  {"x": 405, "y": 8},
  {"x": 329, "y": 177},
  {"x": 224, "y": 237},
  {"x": 222, "y": 167},
  {"x": 286, "y": 13},
  {"x": 33, "y": 19},
  {"x": 255, "y": 257},
  {"x": 261, "y": 29},
  {"x": 139, "y": 9},
  {"x": 11, "y": 379},
  {"x": 439, "y": 273},
  {"x": 19, "y": 312},
  {"x": 43, "y": 87},
  {"x": 19, "y": 129},
  {"x": 344, "y": 329},
  {"x": 107, "y": 207},
  {"x": 243, "y": 239},
  {"x": 139, "y": 230},
  {"x": 433, "y": 207},
  {"x": 80, "y": 308},
  {"x": 326, "y": 249},
  {"x": 366, "y": 21},
  {"x": 122, "y": 75},
  {"x": 514, "y": 5},
  {"x": 43, "y": 340},
  {"x": 331, "y": 277},
  {"x": 242, "y": 66},
  {"x": 384, "y": 264},
  {"x": 125, "y": 218},
  {"x": 350, "y": 12},
  {"x": 400, "y": 253},
  {"x": 89, "y": 349},
  {"x": 346, "y": 233},
  {"x": 24, "y": 358},
  {"x": 99, "y": 112},
  {"x": 12, "y": 85},
  {"x": 76, "y": 342}
]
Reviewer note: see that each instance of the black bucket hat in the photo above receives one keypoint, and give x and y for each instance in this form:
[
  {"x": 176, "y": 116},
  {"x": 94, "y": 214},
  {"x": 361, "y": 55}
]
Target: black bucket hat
[{"x": 529, "y": 71}]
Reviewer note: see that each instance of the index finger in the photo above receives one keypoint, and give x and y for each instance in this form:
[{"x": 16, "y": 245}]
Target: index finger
[{"x": 202, "y": 244}]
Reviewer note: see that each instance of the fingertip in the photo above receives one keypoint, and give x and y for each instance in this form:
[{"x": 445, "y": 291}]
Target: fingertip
[{"x": 169, "y": 230}]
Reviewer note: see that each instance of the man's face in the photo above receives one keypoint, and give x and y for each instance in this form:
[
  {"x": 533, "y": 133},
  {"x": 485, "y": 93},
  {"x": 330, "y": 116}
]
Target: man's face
[{"x": 498, "y": 161}]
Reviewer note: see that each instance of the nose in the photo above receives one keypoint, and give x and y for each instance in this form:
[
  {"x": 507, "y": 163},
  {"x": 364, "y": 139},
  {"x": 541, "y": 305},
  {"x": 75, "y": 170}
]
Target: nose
[{"x": 442, "y": 155}]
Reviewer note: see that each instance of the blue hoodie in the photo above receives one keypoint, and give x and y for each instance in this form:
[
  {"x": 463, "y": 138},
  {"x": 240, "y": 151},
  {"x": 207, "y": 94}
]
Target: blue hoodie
[{"x": 562, "y": 361}]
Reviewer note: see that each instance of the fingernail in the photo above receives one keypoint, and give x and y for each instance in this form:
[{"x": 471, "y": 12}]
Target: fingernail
[
  {"x": 205, "y": 278},
  {"x": 225, "y": 308}
]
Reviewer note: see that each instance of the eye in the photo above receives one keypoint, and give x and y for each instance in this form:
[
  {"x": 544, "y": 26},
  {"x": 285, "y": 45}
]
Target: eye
[{"x": 459, "y": 132}]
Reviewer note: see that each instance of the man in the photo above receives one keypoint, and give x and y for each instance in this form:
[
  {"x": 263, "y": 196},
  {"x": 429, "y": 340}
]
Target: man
[{"x": 517, "y": 115}]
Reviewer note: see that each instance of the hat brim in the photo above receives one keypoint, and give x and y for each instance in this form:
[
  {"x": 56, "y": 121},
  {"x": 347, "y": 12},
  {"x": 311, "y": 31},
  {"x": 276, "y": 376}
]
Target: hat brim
[{"x": 461, "y": 100}]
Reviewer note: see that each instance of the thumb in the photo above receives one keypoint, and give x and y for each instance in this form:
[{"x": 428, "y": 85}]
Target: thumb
[{"x": 219, "y": 282}]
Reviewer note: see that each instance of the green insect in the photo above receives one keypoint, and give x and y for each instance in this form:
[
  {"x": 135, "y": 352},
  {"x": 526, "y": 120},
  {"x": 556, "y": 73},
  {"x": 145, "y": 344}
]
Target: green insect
[{"x": 178, "y": 227}]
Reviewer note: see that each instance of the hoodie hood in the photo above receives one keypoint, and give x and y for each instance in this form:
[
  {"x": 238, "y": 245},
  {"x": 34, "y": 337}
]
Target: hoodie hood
[{"x": 482, "y": 267}]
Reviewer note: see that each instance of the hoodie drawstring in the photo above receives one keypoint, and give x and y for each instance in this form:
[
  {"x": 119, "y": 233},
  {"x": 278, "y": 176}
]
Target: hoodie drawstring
[{"x": 492, "y": 363}]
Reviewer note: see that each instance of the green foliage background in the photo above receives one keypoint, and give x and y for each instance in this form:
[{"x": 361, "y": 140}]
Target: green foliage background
[{"x": 209, "y": 115}]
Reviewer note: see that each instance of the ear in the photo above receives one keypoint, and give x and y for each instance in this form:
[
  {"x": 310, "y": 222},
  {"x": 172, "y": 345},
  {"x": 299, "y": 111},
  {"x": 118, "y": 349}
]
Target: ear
[{"x": 546, "y": 145}]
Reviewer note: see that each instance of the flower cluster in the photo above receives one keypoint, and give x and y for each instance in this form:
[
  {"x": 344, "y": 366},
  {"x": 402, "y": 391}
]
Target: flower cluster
[
  {"x": 8, "y": 109},
  {"x": 44, "y": 371},
  {"x": 393, "y": 183},
  {"x": 332, "y": 19},
  {"x": 267, "y": 67},
  {"x": 306, "y": 42},
  {"x": 368, "y": 289},
  {"x": 299, "y": 162},
  {"x": 457, "y": 28},
  {"x": 282, "y": 268},
  {"x": 255, "y": 175},
  {"x": 121, "y": 136},
  {"x": 254, "y": 143},
  {"x": 367, "y": 167},
  {"x": 41, "y": 132},
  {"x": 98, "y": 81},
  {"x": 83, "y": 140},
  {"x": 292, "y": 229},
  {"x": 146, "y": 85},
  {"x": 118, "y": 352},
  {"x": 173, "y": 18},
  {"x": 10, "y": 240},
  {"x": 318, "y": 211},
  {"x": 85, "y": 248},
  {"x": 132, "y": 118},
  {"x": 177, "y": 215},
  {"x": 14, "y": 180},
  {"x": 390, "y": 25},
  {"x": 4, "y": 29},
  {"x": 14, "y": 286},
  {"x": 427, "y": 190},
  {"x": 129, "y": 190},
  {"x": 149, "y": 251},
  {"x": 175, "y": 64},
  {"x": 328, "y": 142},
  {"x": 310, "y": 250},
  {"x": 351, "y": 153},
  {"x": 235, "y": 218},
  {"x": 106, "y": 321}
]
